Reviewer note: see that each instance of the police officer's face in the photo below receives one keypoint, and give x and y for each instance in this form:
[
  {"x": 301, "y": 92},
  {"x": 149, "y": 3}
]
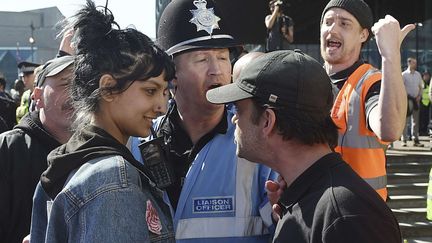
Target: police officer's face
[
  {"x": 341, "y": 37},
  {"x": 199, "y": 71},
  {"x": 28, "y": 80}
]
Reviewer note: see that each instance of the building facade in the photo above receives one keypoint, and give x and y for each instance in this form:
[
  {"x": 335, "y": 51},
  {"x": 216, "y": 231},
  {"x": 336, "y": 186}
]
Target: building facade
[{"x": 27, "y": 36}]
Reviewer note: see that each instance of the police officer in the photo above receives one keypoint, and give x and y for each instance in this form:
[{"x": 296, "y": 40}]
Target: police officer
[
  {"x": 28, "y": 77},
  {"x": 217, "y": 197}
]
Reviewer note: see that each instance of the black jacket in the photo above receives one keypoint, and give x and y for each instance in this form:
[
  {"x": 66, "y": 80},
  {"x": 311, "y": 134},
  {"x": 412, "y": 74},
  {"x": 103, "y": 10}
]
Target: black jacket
[
  {"x": 23, "y": 158},
  {"x": 7, "y": 112}
]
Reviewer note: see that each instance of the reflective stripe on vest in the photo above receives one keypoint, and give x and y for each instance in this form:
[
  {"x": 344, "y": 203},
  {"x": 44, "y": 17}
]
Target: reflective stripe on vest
[
  {"x": 359, "y": 146},
  {"x": 377, "y": 182},
  {"x": 351, "y": 140},
  {"x": 213, "y": 227},
  {"x": 243, "y": 224}
]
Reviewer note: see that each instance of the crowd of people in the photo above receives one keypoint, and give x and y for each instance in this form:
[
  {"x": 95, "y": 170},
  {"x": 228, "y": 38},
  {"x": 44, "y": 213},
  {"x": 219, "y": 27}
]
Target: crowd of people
[{"x": 123, "y": 139}]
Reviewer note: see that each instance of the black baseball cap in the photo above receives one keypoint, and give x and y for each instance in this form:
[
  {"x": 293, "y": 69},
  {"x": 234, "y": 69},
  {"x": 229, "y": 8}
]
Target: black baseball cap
[
  {"x": 193, "y": 24},
  {"x": 52, "y": 68},
  {"x": 286, "y": 79}
]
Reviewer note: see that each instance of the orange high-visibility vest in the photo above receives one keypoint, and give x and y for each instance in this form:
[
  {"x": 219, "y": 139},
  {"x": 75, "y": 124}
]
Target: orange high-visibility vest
[{"x": 359, "y": 146}]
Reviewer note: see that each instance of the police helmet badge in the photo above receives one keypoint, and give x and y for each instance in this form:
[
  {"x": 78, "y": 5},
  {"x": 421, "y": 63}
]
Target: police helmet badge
[
  {"x": 193, "y": 24},
  {"x": 203, "y": 17}
]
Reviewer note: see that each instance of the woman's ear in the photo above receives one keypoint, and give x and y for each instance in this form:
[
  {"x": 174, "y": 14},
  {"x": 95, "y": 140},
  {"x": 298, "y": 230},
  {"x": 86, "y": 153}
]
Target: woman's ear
[{"x": 106, "y": 82}]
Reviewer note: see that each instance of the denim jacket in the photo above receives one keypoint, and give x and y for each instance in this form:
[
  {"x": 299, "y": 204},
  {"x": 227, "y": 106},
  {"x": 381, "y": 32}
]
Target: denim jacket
[{"x": 105, "y": 200}]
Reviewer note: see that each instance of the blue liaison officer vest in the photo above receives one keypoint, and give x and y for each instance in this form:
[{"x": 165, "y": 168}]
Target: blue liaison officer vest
[{"x": 223, "y": 198}]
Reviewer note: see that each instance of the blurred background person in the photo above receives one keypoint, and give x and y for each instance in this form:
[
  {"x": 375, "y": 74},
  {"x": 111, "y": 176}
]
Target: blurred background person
[
  {"x": 17, "y": 91},
  {"x": 3, "y": 92},
  {"x": 414, "y": 86},
  {"x": 27, "y": 73},
  {"x": 425, "y": 105},
  {"x": 7, "y": 108},
  {"x": 280, "y": 27}
]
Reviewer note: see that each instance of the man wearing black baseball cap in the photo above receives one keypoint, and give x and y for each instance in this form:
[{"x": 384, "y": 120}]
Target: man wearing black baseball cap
[
  {"x": 217, "y": 197},
  {"x": 368, "y": 109},
  {"x": 24, "y": 150},
  {"x": 325, "y": 200}
]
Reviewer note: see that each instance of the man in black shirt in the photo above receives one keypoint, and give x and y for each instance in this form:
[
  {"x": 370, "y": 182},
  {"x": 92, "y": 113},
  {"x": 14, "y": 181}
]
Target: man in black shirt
[{"x": 325, "y": 200}]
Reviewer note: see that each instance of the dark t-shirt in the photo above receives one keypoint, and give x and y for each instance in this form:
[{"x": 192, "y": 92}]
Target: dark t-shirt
[
  {"x": 330, "y": 203},
  {"x": 182, "y": 151}
]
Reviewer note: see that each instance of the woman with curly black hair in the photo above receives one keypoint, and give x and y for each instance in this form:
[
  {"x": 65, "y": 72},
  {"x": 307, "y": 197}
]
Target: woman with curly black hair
[{"x": 94, "y": 190}]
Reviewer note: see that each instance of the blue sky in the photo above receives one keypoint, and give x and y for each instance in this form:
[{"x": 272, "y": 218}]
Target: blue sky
[{"x": 140, "y": 13}]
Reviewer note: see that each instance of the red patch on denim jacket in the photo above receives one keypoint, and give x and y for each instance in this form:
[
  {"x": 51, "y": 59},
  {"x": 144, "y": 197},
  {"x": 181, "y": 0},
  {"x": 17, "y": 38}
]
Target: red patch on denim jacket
[{"x": 152, "y": 218}]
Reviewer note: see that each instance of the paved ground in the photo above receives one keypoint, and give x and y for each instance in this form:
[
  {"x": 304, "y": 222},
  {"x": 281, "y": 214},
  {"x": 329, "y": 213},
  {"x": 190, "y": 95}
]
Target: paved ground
[{"x": 426, "y": 141}]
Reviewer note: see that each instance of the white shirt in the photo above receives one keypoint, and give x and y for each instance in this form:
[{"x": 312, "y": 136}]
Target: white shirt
[{"x": 413, "y": 83}]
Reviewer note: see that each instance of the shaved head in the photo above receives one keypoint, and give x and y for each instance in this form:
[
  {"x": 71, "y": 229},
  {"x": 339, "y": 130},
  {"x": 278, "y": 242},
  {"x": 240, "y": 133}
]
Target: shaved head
[{"x": 243, "y": 62}]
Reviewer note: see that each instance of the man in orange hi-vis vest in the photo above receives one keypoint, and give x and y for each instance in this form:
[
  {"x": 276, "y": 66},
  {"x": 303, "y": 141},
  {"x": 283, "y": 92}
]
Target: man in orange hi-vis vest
[{"x": 368, "y": 109}]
